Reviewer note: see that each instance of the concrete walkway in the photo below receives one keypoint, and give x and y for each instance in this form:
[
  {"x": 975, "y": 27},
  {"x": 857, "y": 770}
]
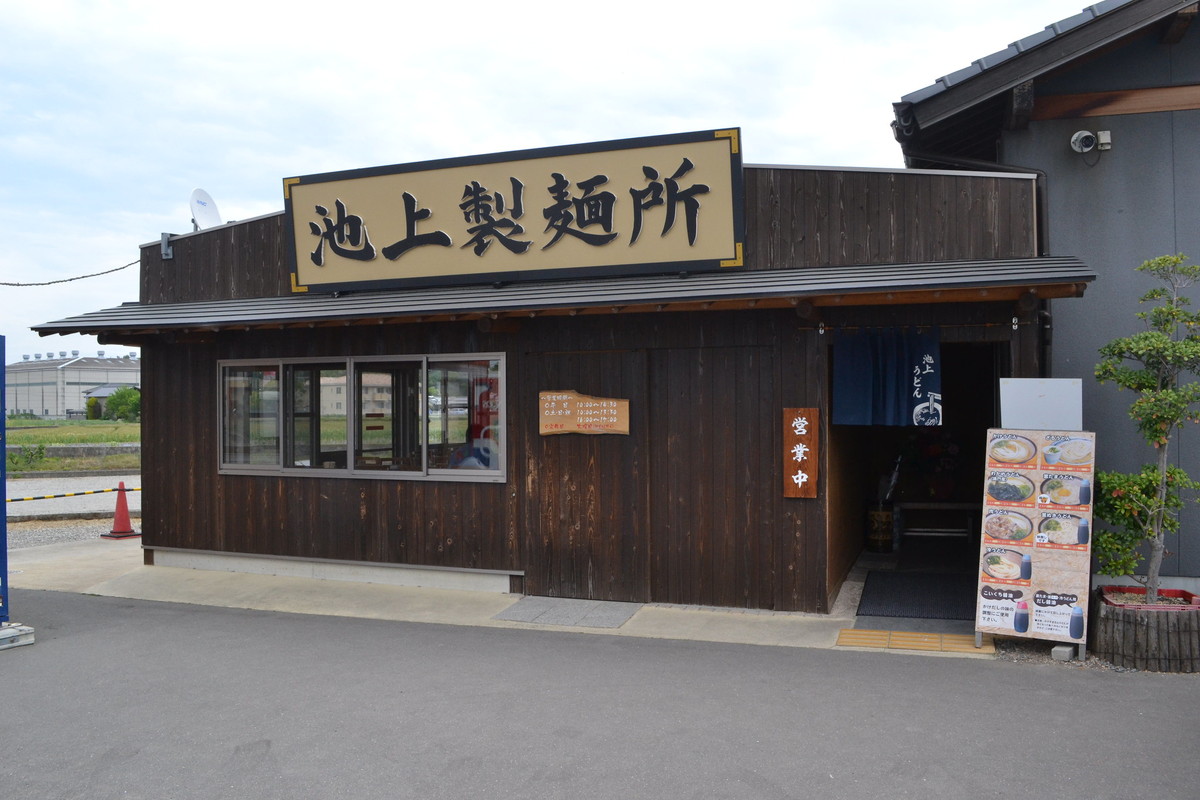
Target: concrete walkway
[{"x": 114, "y": 568}]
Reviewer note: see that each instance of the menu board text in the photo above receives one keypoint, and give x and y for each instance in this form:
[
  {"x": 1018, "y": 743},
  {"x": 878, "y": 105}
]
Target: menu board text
[
  {"x": 567, "y": 411},
  {"x": 1035, "y": 548}
]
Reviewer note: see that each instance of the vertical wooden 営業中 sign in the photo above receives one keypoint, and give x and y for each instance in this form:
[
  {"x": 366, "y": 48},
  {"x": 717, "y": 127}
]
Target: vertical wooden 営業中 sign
[{"x": 800, "y": 426}]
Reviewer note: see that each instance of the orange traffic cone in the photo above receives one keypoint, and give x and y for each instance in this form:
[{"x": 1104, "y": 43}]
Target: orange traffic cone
[{"x": 121, "y": 528}]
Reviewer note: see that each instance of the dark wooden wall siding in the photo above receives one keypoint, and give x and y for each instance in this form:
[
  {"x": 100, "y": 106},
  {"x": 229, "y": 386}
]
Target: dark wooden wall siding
[
  {"x": 686, "y": 509},
  {"x": 586, "y": 496},
  {"x": 794, "y": 218},
  {"x": 1027, "y": 358},
  {"x": 230, "y": 262},
  {"x": 849, "y": 449},
  {"x": 810, "y": 218},
  {"x": 957, "y": 322},
  {"x": 179, "y": 453},
  {"x": 448, "y": 524},
  {"x": 713, "y": 481},
  {"x": 802, "y": 548}
]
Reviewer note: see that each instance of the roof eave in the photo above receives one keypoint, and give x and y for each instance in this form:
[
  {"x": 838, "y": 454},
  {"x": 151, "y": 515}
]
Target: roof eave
[
  {"x": 979, "y": 82},
  {"x": 935, "y": 282}
]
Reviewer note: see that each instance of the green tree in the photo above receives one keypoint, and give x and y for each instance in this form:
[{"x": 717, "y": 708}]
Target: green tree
[
  {"x": 124, "y": 404},
  {"x": 1142, "y": 507}
]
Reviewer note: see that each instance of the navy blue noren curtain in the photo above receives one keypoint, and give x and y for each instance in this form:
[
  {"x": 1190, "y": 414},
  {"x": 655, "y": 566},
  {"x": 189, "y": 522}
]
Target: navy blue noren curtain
[{"x": 887, "y": 376}]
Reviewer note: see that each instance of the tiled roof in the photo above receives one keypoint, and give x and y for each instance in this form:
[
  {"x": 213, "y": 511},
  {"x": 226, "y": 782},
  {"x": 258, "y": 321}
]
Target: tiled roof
[
  {"x": 979, "y": 66},
  {"x": 624, "y": 293}
]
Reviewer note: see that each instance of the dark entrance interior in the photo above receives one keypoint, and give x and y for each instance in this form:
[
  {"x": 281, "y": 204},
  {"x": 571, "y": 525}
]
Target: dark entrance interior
[{"x": 920, "y": 491}]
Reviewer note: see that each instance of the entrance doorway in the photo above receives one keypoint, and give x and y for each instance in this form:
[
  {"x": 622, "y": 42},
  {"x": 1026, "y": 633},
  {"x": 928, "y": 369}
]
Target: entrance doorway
[{"x": 931, "y": 480}]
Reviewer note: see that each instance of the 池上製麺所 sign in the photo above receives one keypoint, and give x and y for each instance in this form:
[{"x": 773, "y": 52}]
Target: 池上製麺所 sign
[
  {"x": 635, "y": 206},
  {"x": 1035, "y": 550},
  {"x": 567, "y": 411}
]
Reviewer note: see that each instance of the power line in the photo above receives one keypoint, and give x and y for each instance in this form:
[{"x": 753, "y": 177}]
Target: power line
[{"x": 68, "y": 280}]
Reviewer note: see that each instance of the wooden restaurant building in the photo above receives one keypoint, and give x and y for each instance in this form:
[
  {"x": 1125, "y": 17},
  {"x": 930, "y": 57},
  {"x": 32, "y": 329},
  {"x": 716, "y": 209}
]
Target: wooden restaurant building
[{"x": 634, "y": 371}]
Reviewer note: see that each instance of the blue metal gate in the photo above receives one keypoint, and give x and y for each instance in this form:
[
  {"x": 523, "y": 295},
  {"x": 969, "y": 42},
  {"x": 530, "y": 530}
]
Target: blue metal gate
[{"x": 3, "y": 520}]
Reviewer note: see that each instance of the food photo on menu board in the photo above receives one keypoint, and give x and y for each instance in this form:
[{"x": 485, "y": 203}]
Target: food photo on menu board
[{"x": 1035, "y": 548}]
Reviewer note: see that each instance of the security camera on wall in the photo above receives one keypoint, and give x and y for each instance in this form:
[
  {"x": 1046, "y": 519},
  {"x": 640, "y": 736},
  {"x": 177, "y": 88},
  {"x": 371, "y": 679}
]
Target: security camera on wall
[{"x": 1083, "y": 142}]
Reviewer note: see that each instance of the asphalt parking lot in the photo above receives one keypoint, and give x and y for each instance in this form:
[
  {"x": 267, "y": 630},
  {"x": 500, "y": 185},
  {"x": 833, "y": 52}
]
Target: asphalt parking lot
[
  {"x": 158, "y": 682},
  {"x": 125, "y": 698}
]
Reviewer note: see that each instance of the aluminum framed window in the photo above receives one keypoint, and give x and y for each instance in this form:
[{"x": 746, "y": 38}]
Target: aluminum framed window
[
  {"x": 415, "y": 417},
  {"x": 250, "y": 435}
]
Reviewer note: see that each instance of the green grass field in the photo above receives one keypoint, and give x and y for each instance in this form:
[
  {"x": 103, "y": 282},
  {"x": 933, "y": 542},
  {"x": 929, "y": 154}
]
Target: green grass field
[
  {"x": 32, "y": 435},
  {"x": 39, "y": 431}
]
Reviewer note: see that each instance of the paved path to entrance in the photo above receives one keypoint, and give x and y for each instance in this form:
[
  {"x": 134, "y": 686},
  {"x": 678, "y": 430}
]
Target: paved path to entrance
[{"x": 113, "y": 568}]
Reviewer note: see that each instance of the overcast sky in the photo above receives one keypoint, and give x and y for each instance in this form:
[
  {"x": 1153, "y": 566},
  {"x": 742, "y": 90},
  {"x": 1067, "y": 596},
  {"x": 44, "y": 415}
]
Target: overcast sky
[{"x": 113, "y": 111}]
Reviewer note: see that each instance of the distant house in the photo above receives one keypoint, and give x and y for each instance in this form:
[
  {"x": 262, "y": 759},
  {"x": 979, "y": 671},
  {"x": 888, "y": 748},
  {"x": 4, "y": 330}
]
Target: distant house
[
  {"x": 101, "y": 394},
  {"x": 1105, "y": 108},
  {"x": 57, "y": 386}
]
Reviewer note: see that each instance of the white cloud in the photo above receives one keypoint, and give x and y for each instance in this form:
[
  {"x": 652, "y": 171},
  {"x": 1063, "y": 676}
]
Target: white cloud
[{"x": 114, "y": 111}]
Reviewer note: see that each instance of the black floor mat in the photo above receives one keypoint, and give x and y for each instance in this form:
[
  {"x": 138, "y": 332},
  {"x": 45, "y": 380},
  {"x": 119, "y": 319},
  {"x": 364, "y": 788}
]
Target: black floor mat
[{"x": 921, "y": 595}]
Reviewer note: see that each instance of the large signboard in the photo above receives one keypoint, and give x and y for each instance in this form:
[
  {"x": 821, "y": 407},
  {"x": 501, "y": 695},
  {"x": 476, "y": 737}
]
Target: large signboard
[
  {"x": 635, "y": 206},
  {"x": 1035, "y": 550}
]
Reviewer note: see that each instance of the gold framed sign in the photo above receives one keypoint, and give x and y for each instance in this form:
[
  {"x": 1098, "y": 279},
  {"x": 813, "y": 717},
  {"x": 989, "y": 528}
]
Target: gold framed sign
[{"x": 634, "y": 206}]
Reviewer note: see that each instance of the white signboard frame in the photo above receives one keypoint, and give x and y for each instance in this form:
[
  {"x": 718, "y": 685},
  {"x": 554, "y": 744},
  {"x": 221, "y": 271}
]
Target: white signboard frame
[{"x": 1035, "y": 545}]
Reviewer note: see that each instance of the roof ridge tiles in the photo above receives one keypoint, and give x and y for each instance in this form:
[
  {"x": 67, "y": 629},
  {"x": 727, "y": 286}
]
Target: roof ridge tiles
[{"x": 1022, "y": 45}]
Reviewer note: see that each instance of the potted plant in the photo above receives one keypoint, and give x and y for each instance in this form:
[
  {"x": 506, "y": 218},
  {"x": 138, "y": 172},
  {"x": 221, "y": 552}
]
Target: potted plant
[{"x": 1159, "y": 365}]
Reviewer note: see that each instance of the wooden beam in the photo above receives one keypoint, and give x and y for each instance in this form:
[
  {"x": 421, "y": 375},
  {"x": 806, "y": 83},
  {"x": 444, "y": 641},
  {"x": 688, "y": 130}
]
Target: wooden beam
[
  {"x": 493, "y": 324},
  {"x": 1130, "y": 101},
  {"x": 806, "y": 306},
  {"x": 1020, "y": 107},
  {"x": 987, "y": 294},
  {"x": 1179, "y": 24}
]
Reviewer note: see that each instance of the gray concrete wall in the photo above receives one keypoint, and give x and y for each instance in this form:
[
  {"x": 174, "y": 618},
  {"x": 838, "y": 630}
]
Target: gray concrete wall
[
  {"x": 1115, "y": 210},
  {"x": 81, "y": 450}
]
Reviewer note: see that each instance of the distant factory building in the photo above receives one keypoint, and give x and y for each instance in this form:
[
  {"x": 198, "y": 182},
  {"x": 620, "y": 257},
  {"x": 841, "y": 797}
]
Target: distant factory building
[{"x": 57, "y": 385}]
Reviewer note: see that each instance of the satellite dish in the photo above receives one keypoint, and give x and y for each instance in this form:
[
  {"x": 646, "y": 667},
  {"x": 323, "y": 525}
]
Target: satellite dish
[{"x": 204, "y": 210}]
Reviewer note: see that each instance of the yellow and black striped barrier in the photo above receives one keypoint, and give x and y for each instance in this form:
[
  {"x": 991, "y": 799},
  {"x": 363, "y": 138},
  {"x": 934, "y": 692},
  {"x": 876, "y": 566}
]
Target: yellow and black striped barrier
[{"x": 70, "y": 494}]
